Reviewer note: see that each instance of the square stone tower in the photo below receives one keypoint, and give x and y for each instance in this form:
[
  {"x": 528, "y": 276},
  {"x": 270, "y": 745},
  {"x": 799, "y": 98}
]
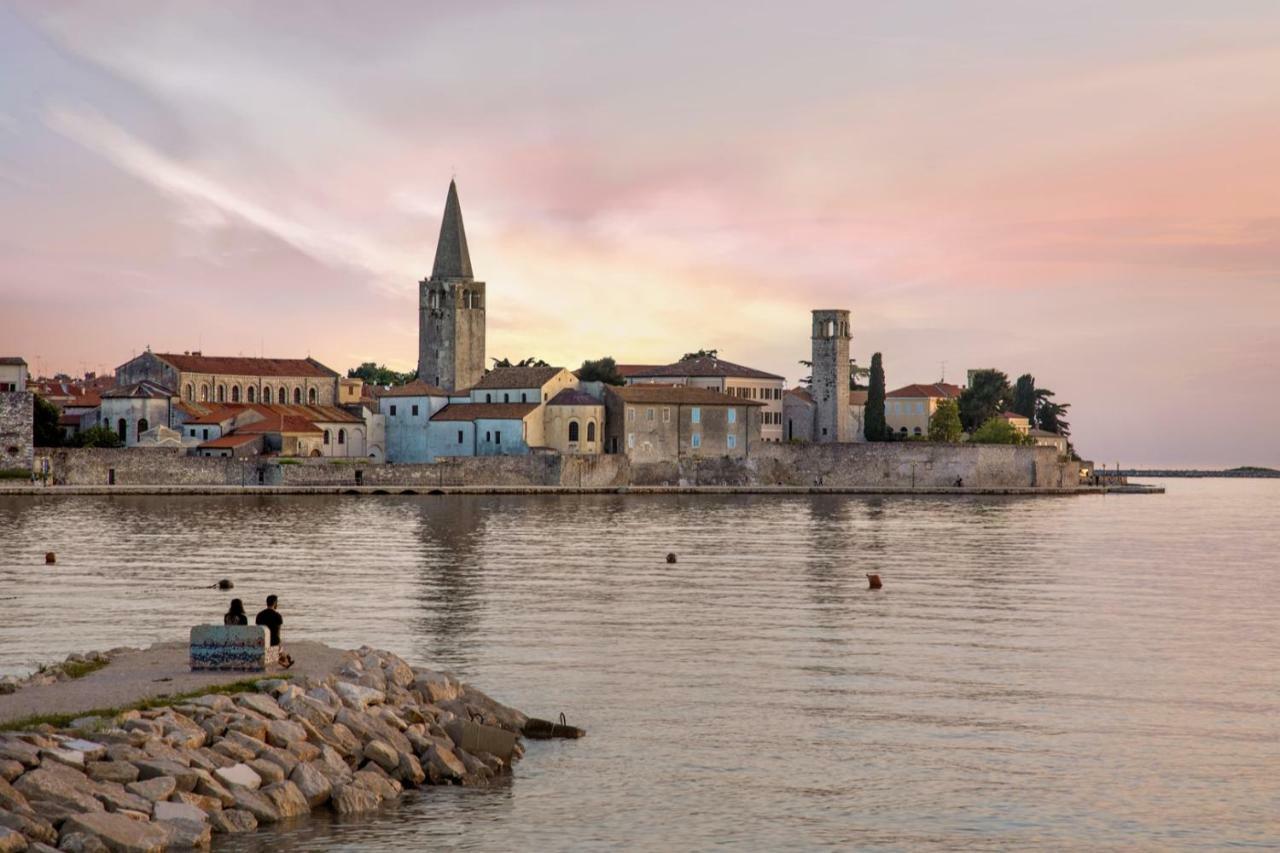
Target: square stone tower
[
  {"x": 831, "y": 421},
  {"x": 451, "y": 310}
]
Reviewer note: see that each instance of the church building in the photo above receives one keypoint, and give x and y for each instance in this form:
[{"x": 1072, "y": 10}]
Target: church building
[{"x": 451, "y": 310}]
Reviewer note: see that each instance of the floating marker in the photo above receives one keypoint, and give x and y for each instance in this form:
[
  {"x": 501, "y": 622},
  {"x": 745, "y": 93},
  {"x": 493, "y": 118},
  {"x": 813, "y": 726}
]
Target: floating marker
[
  {"x": 873, "y": 581},
  {"x": 671, "y": 558},
  {"x": 49, "y": 558}
]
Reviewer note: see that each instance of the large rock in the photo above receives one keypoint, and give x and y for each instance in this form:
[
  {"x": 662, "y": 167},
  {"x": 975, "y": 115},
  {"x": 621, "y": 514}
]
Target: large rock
[
  {"x": 234, "y": 751},
  {"x": 240, "y": 739},
  {"x": 186, "y": 834},
  {"x": 238, "y": 776},
  {"x": 311, "y": 710},
  {"x": 114, "y": 796},
  {"x": 377, "y": 781},
  {"x": 13, "y": 749},
  {"x": 256, "y": 804},
  {"x": 206, "y": 804},
  {"x": 409, "y": 770},
  {"x": 31, "y": 826},
  {"x": 12, "y": 841},
  {"x": 281, "y": 733},
  {"x": 118, "y": 833},
  {"x": 154, "y": 789},
  {"x": 184, "y": 776},
  {"x": 80, "y": 842},
  {"x": 398, "y": 672},
  {"x": 382, "y": 754},
  {"x": 356, "y": 697},
  {"x": 178, "y": 811},
  {"x": 121, "y": 772},
  {"x": 54, "y": 797},
  {"x": 304, "y": 750},
  {"x": 215, "y": 702},
  {"x": 254, "y": 727},
  {"x": 435, "y": 687},
  {"x": 353, "y": 799},
  {"x": 12, "y": 799},
  {"x": 261, "y": 704},
  {"x": 269, "y": 771},
  {"x": 367, "y": 727},
  {"x": 342, "y": 739},
  {"x": 230, "y": 821},
  {"x": 10, "y": 769},
  {"x": 313, "y": 784},
  {"x": 287, "y": 798},
  {"x": 213, "y": 788},
  {"x": 283, "y": 757}
]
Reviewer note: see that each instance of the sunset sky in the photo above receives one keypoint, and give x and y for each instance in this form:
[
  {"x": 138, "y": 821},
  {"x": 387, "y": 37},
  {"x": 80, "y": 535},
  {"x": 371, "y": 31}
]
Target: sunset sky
[{"x": 1087, "y": 191}]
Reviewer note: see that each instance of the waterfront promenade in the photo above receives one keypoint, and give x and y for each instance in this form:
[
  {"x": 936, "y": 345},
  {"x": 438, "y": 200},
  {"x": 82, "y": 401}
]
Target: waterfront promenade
[{"x": 330, "y": 489}]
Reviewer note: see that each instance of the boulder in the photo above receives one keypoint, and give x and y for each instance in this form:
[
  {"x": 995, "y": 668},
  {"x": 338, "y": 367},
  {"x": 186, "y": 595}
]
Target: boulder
[
  {"x": 29, "y": 825},
  {"x": 367, "y": 727},
  {"x": 332, "y": 766},
  {"x": 215, "y": 790},
  {"x": 12, "y": 841},
  {"x": 287, "y": 760},
  {"x": 184, "y": 776},
  {"x": 154, "y": 789},
  {"x": 288, "y": 799},
  {"x": 268, "y": 771},
  {"x": 281, "y": 733},
  {"x": 325, "y": 696},
  {"x": 178, "y": 811},
  {"x": 215, "y": 702},
  {"x": 391, "y": 718},
  {"x": 13, "y": 749},
  {"x": 234, "y": 751},
  {"x": 79, "y": 842},
  {"x": 261, "y": 704},
  {"x": 244, "y": 741},
  {"x": 342, "y": 739},
  {"x": 186, "y": 834},
  {"x": 398, "y": 672},
  {"x": 443, "y": 765},
  {"x": 382, "y": 754},
  {"x": 92, "y": 750},
  {"x": 231, "y": 821},
  {"x": 53, "y": 796},
  {"x": 312, "y": 782},
  {"x": 304, "y": 750},
  {"x": 112, "y": 771},
  {"x": 311, "y": 710},
  {"x": 435, "y": 687},
  {"x": 238, "y": 776},
  {"x": 256, "y": 804},
  {"x": 125, "y": 752},
  {"x": 114, "y": 796},
  {"x": 206, "y": 804},
  {"x": 352, "y": 799},
  {"x": 409, "y": 770},
  {"x": 117, "y": 832},
  {"x": 375, "y": 780},
  {"x": 206, "y": 759},
  {"x": 253, "y": 727},
  {"x": 12, "y": 799},
  {"x": 356, "y": 697},
  {"x": 10, "y": 770}
]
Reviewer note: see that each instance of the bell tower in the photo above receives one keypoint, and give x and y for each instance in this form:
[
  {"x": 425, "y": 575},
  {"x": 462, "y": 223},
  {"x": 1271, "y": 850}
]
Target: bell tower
[
  {"x": 832, "y": 421},
  {"x": 451, "y": 309}
]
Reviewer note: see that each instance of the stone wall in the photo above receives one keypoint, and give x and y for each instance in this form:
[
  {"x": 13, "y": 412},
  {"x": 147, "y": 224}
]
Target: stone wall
[
  {"x": 16, "y": 436},
  {"x": 139, "y": 466}
]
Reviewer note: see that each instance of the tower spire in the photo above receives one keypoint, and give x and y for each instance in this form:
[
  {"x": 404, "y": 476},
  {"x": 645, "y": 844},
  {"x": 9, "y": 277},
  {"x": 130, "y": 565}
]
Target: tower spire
[{"x": 452, "y": 258}]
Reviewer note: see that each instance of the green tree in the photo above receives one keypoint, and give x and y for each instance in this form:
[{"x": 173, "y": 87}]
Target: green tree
[
  {"x": 702, "y": 353},
  {"x": 988, "y": 395},
  {"x": 996, "y": 430},
  {"x": 874, "y": 425},
  {"x": 1024, "y": 397},
  {"x": 531, "y": 361},
  {"x": 45, "y": 423},
  {"x": 1050, "y": 416},
  {"x": 601, "y": 370},
  {"x": 380, "y": 374},
  {"x": 99, "y": 436},
  {"x": 944, "y": 423}
]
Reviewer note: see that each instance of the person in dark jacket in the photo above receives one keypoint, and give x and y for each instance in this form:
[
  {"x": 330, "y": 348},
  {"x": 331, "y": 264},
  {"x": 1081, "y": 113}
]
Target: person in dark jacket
[
  {"x": 271, "y": 619},
  {"x": 236, "y": 615}
]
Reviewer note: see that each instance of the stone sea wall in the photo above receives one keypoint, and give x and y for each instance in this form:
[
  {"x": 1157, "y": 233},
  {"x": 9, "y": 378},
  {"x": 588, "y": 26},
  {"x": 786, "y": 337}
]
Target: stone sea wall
[
  {"x": 172, "y": 777},
  {"x": 897, "y": 465},
  {"x": 16, "y": 430}
]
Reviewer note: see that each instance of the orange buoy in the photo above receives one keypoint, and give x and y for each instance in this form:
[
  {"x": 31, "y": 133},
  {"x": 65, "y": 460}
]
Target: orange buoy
[{"x": 873, "y": 582}]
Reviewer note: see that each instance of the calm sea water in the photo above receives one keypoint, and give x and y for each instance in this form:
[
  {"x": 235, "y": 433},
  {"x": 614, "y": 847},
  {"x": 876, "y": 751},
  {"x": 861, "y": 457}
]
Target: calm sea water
[{"x": 1093, "y": 672}]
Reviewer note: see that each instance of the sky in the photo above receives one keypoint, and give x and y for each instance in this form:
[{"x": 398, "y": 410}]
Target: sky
[{"x": 1086, "y": 191}]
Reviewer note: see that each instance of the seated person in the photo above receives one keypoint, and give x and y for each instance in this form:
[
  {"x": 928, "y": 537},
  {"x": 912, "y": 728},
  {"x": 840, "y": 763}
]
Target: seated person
[
  {"x": 271, "y": 619},
  {"x": 235, "y": 615}
]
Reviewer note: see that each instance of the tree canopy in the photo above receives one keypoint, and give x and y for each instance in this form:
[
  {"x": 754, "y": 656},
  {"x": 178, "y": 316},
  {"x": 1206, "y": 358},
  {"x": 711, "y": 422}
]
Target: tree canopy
[
  {"x": 944, "y": 423},
  {"x": 601, "y": 370},
  {"x": 873, "y": 424},
  {"x": 988, "y": 395},
  {"x": 996, "y": 430},
  {"x": 531, "y": 361},
  {"x": 99, "y": 436},
  {"x": 45, "y": 431},
  {"x": 702, "y": 353},
  {"x": 1024, "y": 397},
  {"x": 380, "y": 374}
]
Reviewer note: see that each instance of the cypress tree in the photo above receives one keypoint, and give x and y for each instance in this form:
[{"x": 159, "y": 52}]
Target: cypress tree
[
  {"x": 873, "y": 424},
  {"x": 1024, "y": 397}
]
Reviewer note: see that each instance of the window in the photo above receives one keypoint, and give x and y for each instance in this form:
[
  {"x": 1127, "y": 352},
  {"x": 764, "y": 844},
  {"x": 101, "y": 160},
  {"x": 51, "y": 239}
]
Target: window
[
  {"x": 297, "y": 396},
  {"x": 695, "y": 440},
  {"x": 123, "y": 428},
  {"x": 524, "y": 397},
  {"x": 488, "y": 398},
  {"x": 204, "y": 433},
  {"x": 142, "y": 426},
  {"x": 732, "y": 441},
  {"x": 919, "y": 408},
  {"x": 648, "y": 415},
  {"x": 415, "y": 411},
  {"x": 733, "y": 416},
  {"x": 266, "y": 394},
  {"x": 591, "y": 431},
  {"x": 506, "y": 398},
  {"x": 459, "y": 436},
  {"x": 326, "y": 436},
  {"x": 190, "y": 393},
  {"x": 488, "y": 438},
  {"x": 222, "y": 393},
  {"x": 342, "y": 436},
  {"x": 695, "y": 415},
  {"x": 311, "y": 396},
  {"x": 252, "y": 395},
  {"x": 393, "y": 410},
  {"x": 631, "y": 440},
  {"x": 497, "y": 437},
  {"x": 666, "y": 414},
  {"x": 631, "y": 414},
  {"x": 917, "y": 430},
  {"x": 235, "y": 393},
  {"x": 573, "y": 430},
  {"x": 204, "y": 393},
  {"x": 284, "y": 395}
]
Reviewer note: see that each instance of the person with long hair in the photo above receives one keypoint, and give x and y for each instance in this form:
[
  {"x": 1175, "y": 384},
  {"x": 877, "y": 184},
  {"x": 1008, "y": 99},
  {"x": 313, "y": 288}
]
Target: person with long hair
[{"x": 236, "y": 615}]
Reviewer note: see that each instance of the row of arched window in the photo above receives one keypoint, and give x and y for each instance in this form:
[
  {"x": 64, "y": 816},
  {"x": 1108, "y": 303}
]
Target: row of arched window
[
  {"x": 342, "y": 436},
  {"x": 122, "y": 427},
  {"x": 249, "y": 395},
  {"x": 575, "y": 430}
]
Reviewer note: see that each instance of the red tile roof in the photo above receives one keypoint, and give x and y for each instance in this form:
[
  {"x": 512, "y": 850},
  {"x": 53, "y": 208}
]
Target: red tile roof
[
  {"x": 279, "y": 422},
  {"x": 705, "y": 366},
  {"x": 487, "y": 411},
  {"x": 235, "y": 439},
  {"x": 677, "y": 394},
  {"x": 247, "y": 366},
  {"x": 517, "y": 377},
  {"x": 416, "y": 388},
  {"x": 219, "y": 412},
  {"x": 625, "y": 370},
  {"x": 942, "y": 390}
]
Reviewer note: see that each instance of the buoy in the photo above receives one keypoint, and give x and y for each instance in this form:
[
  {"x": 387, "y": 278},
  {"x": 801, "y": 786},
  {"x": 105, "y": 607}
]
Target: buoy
[
  {"x": 671, "y": 558},
  {"x": 226, "y": 584},
  {"x": 873, "y": 581},
  {"x": 49, "y": 558}
]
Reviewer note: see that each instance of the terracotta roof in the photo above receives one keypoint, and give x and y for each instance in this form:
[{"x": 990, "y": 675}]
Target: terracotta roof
[
  {"x": 219, "y": 412},
  {"x": 416, "y": 388},
  {"x": 574, "y": 397},
  {"x": 942, "y": 390},
  {"x": 516, "y": 377},
  {"x": 235, "y": 439},
  {"x": 800, "y": 393},
  {"x": 69, "y": 420},
  {"x": 279, "y": 422},
  {"x": 857, "y": 398},
  {"x": 247, "y": 366},
  {"x": 487, "y": 411},
  {"x": 86, "y": 400},
  {"x": 706, "y": 366},
  {"x": 145, "y": 389},
  {"x": 678, "y": 394},
  {"x": 625, "y": 370}
]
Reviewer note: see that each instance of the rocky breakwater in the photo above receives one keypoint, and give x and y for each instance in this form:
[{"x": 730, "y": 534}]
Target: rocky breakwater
[{"x": 173, "y": 777}]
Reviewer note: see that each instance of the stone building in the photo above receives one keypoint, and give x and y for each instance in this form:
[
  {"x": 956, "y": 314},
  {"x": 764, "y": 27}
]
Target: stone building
[
  {"x": 799, "y": 411},
  {"x": 405, "y": 410},
  {"x": 573, "y": 422},
  {"x": 522, "y": 385},
  {"x": 327, "y": 431},
  {"x": 17, "y": 437},
  {"x": 13, "y": 373},
  {"x": 485, "y": 429},
  {"x": 830, "y": 383},
  {"x": 726, "y": 377},
  {"x": 451, "y": 320},
  {"x": 130, "y": 410},
  {"x": 200, "y": 378},
  {"x": 661, "y": 423},
  {"x": 907, "y": 410}
]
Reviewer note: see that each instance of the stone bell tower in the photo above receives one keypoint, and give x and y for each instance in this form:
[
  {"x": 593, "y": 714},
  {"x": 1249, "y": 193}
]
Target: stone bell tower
[
  {"x": 451, "y": 310},
  {"x": 831, "y": 421}
]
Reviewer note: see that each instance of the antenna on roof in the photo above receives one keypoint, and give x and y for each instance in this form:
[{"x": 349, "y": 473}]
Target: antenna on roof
[{"x": 943, "y": 369}]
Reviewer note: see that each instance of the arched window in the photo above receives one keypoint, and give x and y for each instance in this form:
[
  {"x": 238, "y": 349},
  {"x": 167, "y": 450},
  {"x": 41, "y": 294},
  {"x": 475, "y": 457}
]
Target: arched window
[
  {"x": 190, "y": 393},
  {"x": 506, "y": 398},
  {"x": 524, "y": 397},
  {"x": 342, "y": 436},
  {"x": 266, "y": 394},
  {"x": 297, "y": 396},
  {"x": 204, "y": 393},
  {"x": 903, "y": 430},
  {"x": 326, "y": 436},
  {"x": 488, "y": 398},
  {"x": 917, "y": 430},
  {"x": 311, "y": 396},
  {"x": 123, "y": 428},
  {"x": 142, "y": 426},
  {"x": 573, "y": 430},
  {"x": 235, "y": 393},
  {"x": 591, "y": 431},
  {"x": 252, "y": 394},
  {"x": 284, "y": 396},
  {"x": 222, "y": 393}
]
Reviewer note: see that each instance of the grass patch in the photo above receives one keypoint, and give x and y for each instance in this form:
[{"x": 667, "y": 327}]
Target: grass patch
[
  {"x": 288, "y": 462},
  {"x": 164, "y": 700},
  {"x": 14, "y": 474},
  {"x": 79, "y": 669}
]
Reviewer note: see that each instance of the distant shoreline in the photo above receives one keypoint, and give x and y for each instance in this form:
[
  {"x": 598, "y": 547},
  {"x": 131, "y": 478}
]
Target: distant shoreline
[{"x": 1249, "y": 472}]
